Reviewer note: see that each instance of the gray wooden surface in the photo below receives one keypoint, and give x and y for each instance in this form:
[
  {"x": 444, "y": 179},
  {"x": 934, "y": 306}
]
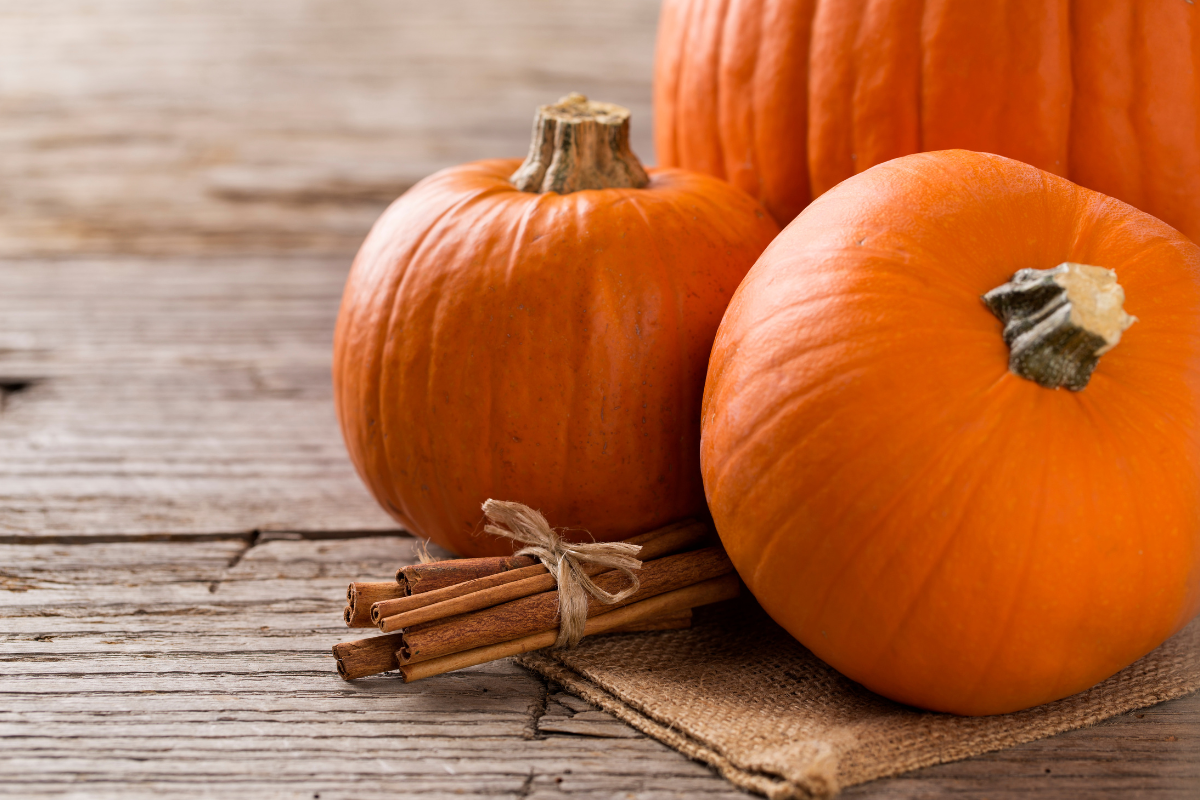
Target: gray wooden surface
[
  {"x": 169, "y": 126},
  {"x": 182, "y": 186},
  {"x": 172, "y": 397}
]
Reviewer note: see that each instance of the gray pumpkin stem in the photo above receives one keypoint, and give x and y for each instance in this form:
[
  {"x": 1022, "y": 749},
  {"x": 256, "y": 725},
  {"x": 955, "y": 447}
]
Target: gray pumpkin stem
[{"x": 1058, "y": 322}]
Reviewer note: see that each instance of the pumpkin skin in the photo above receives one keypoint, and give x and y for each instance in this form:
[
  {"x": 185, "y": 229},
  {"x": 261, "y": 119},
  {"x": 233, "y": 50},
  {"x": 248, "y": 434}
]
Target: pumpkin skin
[
  {"x": 946, "y": 533},
  {"x": 544, "y": 348},
  {"x": 786, "y": 98}
]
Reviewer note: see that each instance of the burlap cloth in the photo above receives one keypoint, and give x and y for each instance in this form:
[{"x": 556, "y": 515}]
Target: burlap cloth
[{"x": 736, "y": 692}]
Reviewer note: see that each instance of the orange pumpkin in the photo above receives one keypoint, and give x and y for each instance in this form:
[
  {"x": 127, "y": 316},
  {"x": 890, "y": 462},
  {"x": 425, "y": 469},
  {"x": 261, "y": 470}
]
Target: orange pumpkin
[
  {"x": 936, "y": 527},
  {"x": 787, "y": 98},
  {"x": 547, "y": 346}
]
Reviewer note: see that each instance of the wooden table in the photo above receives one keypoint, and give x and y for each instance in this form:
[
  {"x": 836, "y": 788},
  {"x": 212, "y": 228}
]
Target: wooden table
[{"x": 182, "y": 185}]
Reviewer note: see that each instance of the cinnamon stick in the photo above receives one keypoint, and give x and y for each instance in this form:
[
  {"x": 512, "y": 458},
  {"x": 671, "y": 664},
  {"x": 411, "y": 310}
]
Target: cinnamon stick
[
  {"x": 395, "y": 615},
  {"x": 674, "y": 621},
  {"x": 361, "y": 596},
  {"x": 419, "y": 578},
  {"x": 539, "y": 612},
  {"x": 377, "y": 654},
  {"x": 659, "y": 606},
  {"x": 367, "y": 656}
]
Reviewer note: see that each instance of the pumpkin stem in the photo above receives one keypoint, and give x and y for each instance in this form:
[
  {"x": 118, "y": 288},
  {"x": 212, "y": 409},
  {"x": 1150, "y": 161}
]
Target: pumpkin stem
[
  {"x": 1058, "y": 322},
  {"x": 579, "y": 144}
]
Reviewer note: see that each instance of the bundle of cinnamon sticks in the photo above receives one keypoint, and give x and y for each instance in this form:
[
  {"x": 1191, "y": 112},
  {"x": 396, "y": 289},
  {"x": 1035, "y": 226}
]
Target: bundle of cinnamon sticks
[{"x": 446, "y": 615}]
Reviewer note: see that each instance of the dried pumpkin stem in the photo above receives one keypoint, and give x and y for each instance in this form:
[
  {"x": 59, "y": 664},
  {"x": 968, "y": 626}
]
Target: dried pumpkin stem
[
  {"x": 1058, "y": 322},
  {"x": 579, "y": 144}
]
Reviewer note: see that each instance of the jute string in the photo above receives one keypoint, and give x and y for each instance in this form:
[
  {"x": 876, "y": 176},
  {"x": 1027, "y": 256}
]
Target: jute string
[{"x": 564, "y": 560}]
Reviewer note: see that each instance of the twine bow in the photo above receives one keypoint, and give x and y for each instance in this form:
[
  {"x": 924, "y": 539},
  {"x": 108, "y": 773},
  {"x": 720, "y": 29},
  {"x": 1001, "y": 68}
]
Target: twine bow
[{"x": 564, "y": 560}]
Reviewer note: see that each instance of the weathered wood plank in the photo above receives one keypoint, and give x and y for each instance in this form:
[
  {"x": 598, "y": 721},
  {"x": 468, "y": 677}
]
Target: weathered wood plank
[
  {"x": 111, "y": 700},
  {"x": 173, "y": 398},
  {"x": 171, "y": 126},
  {"x": 212, "y": 690}
]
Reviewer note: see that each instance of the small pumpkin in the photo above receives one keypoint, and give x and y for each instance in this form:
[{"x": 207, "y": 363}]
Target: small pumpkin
[
  {"x": 892, "y": 475},
  {"x": 540, "y": 332},
  {"x": 788, "y": 98}
]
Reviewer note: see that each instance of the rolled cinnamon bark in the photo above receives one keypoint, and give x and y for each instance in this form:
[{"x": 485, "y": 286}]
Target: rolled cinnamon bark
[
  {"x": 362, "y": 596},
  {"x": 395, "y": 615},
  {"x": 537, "y": 613},
  {"x": 378, "y": 653},
  {"x": 417, "y": 578},
  {"x": 367, "y": 656},
  {"x": 659, "y": 607}
]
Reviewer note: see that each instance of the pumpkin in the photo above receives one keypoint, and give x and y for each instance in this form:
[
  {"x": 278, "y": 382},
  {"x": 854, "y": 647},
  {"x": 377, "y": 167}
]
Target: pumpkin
[
  {"x": 788, "y": 98},
  {"x": 967, "y": 506},
  {"x": 541, "y": 339}
]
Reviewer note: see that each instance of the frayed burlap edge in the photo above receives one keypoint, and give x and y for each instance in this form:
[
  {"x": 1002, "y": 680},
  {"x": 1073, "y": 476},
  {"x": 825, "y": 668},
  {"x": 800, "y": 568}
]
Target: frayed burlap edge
[
  {"x": 817, "y": 778},
  {"x": 821, "y": 785}
]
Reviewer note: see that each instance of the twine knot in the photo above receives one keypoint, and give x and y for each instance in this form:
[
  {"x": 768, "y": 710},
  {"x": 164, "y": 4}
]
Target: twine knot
[{"x": 565, "y": 561}]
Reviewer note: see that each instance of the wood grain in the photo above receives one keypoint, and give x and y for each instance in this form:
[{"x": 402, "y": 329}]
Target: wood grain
[
  {"x": 189, "y": 126},
  {"x": 173, "y": 397},
  {"x": 133, "y": 669},
  {"x": 127, "y": 673}
]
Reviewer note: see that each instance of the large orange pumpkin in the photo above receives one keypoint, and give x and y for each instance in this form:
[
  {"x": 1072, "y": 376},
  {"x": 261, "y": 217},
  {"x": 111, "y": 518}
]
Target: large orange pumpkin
[
  {"x": 786, "y": 98},
  {"x": 546, "y": 346},
  {"x": 929, "y": 523}
]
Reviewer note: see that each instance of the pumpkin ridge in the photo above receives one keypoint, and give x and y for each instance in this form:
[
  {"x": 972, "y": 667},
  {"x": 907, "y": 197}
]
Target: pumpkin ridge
[
  {"x": 472, "y": 208},
  {"x": 580, "y": 351},
  {"x": 765, "y": 431},
  {"x": 670, "y": 40},
  {"x": 766, "y": 425},
  {"x": 1109, "y": 431},
  {"x": 796, "y": 354},
  {"x": 670, "y": 283},
  {"x": 493, "y": 464},
  {"x": 1016, "y": 587},
  {"x": 1135, "y": 501},
  {"x": 708, "y": 16},
  {"x": 930, "y": 464},
  {"x": 737, "y": 131},
  {"x": 380, "y": 357},
  {"x": 730, "y": 463}
]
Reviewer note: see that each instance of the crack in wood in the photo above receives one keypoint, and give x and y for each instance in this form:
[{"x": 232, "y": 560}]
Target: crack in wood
[
  {"x": 214, "y": 536},
  {"x": 252, "y": 542},
  {"x": 537, "y": 709},
  {"x": 11, "y": 386},
  {"x": 527, "y": 785}
]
